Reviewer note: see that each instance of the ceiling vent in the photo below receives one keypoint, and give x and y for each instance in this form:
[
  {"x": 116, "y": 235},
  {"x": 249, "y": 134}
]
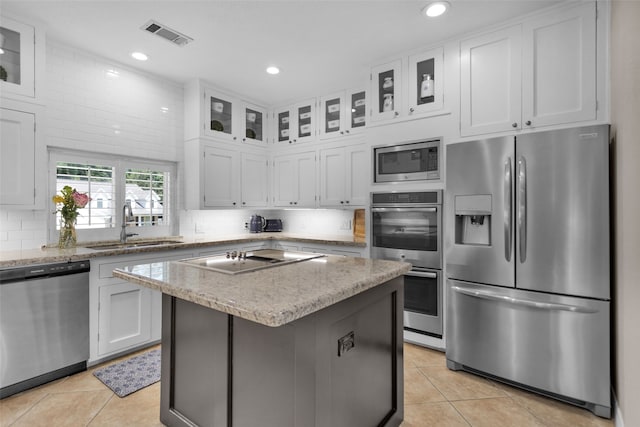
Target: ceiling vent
[{"x": 166, "y": 33}]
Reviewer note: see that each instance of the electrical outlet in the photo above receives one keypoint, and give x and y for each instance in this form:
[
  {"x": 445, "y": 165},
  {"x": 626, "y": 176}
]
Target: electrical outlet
[
  {"x": 346, "y": 225},
  {"x": 346, "y": 343}
]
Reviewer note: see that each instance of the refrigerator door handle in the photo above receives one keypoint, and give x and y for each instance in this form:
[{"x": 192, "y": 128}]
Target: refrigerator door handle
[
  {"x": 522, "y": 208},
  {"x": 522, "y": 302},
  {"x": 507, "y": 209}
]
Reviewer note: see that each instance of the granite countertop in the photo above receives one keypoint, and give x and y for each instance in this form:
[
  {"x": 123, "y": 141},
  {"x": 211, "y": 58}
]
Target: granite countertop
[
  {"x": 273, "y": 296},
  {"x": 81, "y": 252}
]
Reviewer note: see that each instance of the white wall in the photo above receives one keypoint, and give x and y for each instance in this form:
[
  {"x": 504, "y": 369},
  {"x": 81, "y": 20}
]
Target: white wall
[
  {"x": 625, "y": 110},
  {"x": 89, "y": 109}
]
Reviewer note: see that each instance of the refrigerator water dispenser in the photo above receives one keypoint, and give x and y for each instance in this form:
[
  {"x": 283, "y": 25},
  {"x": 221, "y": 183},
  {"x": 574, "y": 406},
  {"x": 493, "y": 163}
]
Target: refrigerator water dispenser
[{"x": 473, "y": 220}]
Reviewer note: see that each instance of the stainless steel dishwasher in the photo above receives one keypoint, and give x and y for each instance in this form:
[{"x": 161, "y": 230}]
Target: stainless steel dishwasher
[{"x": 44, "y": 324}]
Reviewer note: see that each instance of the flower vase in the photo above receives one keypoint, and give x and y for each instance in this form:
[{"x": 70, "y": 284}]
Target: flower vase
[{"x": 68, "y": 237}]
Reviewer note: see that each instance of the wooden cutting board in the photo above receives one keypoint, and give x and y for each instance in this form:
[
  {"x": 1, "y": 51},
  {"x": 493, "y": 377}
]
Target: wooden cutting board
[{"x": 359, "y": 227}]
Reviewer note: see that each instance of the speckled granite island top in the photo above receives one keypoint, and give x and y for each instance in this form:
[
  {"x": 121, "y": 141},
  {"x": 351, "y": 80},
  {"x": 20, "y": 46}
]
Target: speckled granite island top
[{"x": 273, "y": 296}]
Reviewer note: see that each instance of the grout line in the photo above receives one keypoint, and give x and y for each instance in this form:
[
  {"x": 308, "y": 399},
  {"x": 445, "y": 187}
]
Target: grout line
[
  {"x": 30, "y": 408},
  {"x": 101, "y": 409}
]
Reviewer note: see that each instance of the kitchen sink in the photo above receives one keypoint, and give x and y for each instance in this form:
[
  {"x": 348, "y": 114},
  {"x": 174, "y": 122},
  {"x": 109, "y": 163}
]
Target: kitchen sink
[
  {"x": 141, "y": 244},
  {"x": 244, "y": 262}
]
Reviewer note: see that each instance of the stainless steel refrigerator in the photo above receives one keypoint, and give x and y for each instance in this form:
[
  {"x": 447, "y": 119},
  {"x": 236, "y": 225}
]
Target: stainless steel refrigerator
[{"x": 527, "y": 259}]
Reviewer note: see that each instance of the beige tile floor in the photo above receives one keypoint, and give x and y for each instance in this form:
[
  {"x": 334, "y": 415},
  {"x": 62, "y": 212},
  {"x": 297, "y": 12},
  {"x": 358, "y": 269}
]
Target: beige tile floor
[{"x": 434, "y": 396}]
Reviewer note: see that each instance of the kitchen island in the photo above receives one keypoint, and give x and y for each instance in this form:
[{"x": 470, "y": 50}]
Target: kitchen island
[{"x": 310, "y": 343}]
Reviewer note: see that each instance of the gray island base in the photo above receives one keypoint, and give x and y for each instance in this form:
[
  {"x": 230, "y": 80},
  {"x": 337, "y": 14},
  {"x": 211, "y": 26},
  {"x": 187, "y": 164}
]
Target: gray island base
[{"x": 339, "y": 365}]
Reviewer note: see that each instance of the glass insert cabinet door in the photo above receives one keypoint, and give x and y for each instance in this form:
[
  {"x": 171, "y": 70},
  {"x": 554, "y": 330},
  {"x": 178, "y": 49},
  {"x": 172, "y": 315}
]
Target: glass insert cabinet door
[
  {"x": 385, "y": 90},
  {"x": 221, "y": 115},
  {"x": 254, "y": 124},
  {"x": 17, "y": 60},
  {"x": 357, "y": 109},
  {"x": 426, "y": 82},
  {"x": 284, "y": 121}
]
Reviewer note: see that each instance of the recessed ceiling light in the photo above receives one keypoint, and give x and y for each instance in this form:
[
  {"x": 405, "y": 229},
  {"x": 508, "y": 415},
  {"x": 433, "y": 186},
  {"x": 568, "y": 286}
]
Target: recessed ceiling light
[
  {"x": 436, "y": 9},
  {"x": 273, "y": 70},
  {"x": 139, "y": 56}
]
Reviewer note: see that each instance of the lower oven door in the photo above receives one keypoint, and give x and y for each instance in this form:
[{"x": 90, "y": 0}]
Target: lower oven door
[{"x": 423, "y": 301}]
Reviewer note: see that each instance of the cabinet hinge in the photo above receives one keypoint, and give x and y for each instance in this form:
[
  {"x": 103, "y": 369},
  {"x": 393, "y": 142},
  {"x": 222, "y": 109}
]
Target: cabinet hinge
[{"x": 371, "y": 76}]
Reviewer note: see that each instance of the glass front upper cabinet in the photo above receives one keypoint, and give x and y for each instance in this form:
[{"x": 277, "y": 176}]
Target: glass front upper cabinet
[
  {"x": 426, "y": 82},
  {"x": 296, "y": 123},
  {"x": 254, "y": 124},
  {"x": 385, "y": 90},
  {"x": 357, "y": 110},
  {"x": 219, "y": 115},
  {"x": 17, "y": 60}
]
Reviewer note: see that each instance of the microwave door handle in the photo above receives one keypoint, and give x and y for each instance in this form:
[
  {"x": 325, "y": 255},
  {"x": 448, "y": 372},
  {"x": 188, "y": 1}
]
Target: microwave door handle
[
  {"x": 421, "y": 274},
  {"x": 522, "y": 208},
  {"x": 508, "y": 238}
]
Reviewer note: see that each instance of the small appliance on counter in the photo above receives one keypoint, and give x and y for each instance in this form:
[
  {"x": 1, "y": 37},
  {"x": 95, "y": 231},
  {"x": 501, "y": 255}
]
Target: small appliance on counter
[
  {"x": 273, "y": 225},
  {"x": 257, "y": 223}
]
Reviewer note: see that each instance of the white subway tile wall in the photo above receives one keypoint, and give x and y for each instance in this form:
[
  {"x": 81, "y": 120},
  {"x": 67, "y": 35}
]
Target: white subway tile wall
[
  {"x": 96, "y": 105},
  {"x": 217, "y": 223}
]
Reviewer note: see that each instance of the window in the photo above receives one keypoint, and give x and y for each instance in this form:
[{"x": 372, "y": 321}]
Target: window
[{"x": 111, "y": 182}]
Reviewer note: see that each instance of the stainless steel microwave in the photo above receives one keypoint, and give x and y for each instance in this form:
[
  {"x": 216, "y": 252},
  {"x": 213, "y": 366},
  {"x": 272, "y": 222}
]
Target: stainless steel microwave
[{"x": 415, "y": 161}]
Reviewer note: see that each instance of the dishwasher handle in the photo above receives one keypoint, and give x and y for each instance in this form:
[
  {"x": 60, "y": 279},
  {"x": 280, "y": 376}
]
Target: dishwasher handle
[{"x": 18, "y": 274}]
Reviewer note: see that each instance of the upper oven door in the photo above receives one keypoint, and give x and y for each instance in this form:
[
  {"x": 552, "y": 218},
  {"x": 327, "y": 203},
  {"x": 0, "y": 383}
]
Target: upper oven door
[
  {"x": 407, "y": 162},
  {"x": 408, "y": 234}
]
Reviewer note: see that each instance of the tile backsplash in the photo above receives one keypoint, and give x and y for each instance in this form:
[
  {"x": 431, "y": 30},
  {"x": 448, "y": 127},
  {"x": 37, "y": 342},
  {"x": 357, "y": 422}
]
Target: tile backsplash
[{"x": 314, "y": 222}]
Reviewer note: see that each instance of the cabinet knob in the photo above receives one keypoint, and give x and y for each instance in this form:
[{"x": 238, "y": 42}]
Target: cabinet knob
[
  {"x": 295, "y": 140},
  {"x": 514, "y": 125},
  {"x": 396, "y": 114},
  {"x": 411, "y": 110},
  {"x": 528, "y": 123},
  {"x": 341, "y": 132},
  {"x": 234, "y": 203},
  {"x": 235, "y": 137},
  {"x": 295, "y": 203},
  {"x": 244, "y": 203},
  {"x": 347, "y": 202},
  {"x": 290, "y": 141},
  {"x": 244, "y": 139},
  {"x": 346, "y": 131},
  {"x": 290, "y": 203},
  {"x": 341, "y": 202}
]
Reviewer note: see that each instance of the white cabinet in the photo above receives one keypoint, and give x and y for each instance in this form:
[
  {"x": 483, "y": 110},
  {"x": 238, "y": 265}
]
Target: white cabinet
[
  {"x": 386, "y": 91},
  {"x": 539, "y": 74},
  {"x": 559, "y": 67},
  {"x": 124, "y": 316},
  {"x": 294, "y": 180},
  {"x": 425, "y": 82},
  {"x": 296, "y": 123},
  {"x": 18, "y": 62},
  {"x": 344, "y": 176},
  {"x": 342, "y": 113},
  {"x": 212, "y": 113},
  {"x": 254, "y": 180},
  {"x": 18, "y": 172},
  {"x": 231, "y": 179}
]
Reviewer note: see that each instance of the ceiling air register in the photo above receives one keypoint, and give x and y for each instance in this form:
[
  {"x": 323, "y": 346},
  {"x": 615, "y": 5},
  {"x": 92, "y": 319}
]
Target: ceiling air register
[{"x": 166, "y": 33}]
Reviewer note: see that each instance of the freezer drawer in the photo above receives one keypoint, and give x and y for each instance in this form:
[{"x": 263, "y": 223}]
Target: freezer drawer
[{"x": 555, "y": 344}]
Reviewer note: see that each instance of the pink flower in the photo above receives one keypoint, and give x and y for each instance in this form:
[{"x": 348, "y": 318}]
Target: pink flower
[{"x": 80, "y": 199}]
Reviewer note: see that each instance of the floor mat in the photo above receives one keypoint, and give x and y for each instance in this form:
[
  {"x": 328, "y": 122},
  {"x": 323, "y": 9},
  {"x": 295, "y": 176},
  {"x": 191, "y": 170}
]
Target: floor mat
[{"x": 132, "y": 374}]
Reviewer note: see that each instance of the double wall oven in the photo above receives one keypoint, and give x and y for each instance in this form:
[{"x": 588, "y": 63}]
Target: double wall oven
[{"x": 407, "y": 226}]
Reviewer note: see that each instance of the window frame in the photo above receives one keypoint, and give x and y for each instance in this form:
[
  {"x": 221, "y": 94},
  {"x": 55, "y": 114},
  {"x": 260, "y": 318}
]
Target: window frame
[{"x": 120, "y": 164}]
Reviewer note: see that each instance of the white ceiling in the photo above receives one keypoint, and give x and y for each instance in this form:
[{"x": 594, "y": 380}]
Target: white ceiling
[{"x": 320, "y": 46}]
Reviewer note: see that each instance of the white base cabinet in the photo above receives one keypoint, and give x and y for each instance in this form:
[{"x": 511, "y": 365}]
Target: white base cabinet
[{"x": 123, "y": 316}]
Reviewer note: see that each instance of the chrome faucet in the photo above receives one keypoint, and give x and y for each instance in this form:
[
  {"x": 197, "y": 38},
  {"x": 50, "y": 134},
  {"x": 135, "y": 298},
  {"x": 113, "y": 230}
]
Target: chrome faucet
[{"x": 127, "y": 215}]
